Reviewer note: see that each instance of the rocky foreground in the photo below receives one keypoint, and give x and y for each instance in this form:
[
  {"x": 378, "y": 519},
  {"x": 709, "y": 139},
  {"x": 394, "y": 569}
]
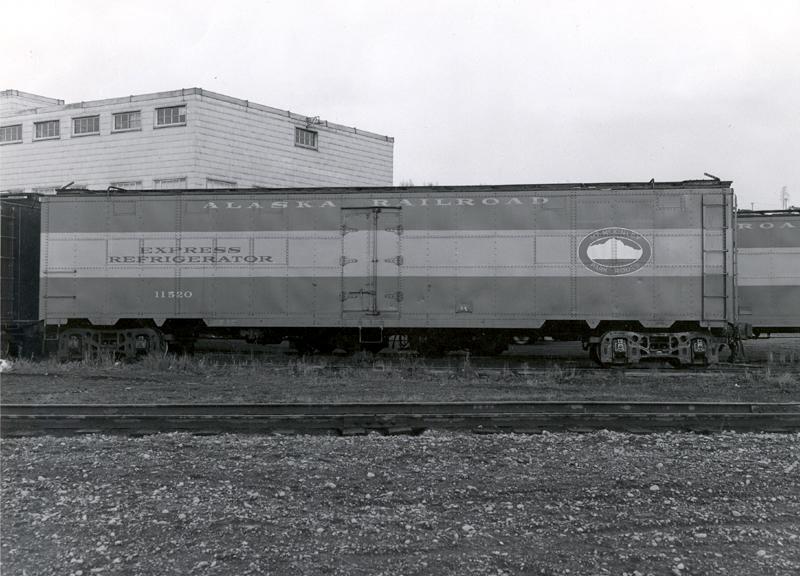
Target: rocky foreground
[{"x": 602, "y": 503}]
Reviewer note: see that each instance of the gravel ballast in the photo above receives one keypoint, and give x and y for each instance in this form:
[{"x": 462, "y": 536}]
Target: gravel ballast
[{"x": 440, "y": 503}]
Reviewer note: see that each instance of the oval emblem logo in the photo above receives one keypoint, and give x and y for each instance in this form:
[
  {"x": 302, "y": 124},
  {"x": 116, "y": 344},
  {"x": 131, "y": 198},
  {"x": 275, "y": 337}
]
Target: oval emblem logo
[{"x": 614, "y": 251}]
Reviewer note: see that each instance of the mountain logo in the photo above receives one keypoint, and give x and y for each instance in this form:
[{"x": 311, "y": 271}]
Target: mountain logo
[{"x": 614, "y": 251}]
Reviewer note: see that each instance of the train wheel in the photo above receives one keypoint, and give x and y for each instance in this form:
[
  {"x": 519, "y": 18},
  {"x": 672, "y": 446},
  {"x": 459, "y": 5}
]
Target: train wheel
[
  {"x": 5, "y": 344},
  {"x": 373, "y": 347},
  {"x": 594, "y": 354},
  {"x": 399, "y": 342},
  {"x": 428, "y": 346}
]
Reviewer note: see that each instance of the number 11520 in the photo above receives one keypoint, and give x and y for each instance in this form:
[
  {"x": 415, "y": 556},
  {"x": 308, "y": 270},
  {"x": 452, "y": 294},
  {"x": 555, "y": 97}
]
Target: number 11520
[{"x": 173, "y": 294}]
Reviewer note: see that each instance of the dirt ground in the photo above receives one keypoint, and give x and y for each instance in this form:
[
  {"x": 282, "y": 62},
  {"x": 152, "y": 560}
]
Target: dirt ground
[{"x": 445, "y": 504}]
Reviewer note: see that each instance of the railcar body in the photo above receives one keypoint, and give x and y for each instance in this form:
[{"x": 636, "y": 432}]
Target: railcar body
[
  {"x": 637, "y": 270},
  {"x": 19, "y": 274},
  {"x": 768, "y": 246}
]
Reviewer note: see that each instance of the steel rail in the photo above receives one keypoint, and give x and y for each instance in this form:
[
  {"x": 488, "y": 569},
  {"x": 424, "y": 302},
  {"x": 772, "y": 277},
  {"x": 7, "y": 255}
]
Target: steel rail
[
  {"x": 408, "y": 417},
  {"x": 479, "y": 369},
  {"x": 512, "y": 364}
]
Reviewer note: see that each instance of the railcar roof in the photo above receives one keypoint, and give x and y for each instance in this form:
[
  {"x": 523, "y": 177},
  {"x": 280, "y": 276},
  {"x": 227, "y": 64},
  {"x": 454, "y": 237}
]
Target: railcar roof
[
  {"x": 598, "y": 186},
  {"x": 777, "y": 213}
]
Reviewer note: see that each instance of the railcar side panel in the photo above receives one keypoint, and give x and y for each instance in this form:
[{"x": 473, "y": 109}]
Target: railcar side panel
[
  {"x": 471, "y": 257},
  {"x": 768, "y": 245}
]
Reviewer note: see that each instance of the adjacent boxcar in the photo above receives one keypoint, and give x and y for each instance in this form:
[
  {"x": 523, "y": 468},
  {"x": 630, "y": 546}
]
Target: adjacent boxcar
[
  {"x": 636, "y": 270},
  {"x": 768, "y": 247},
  {"x": 19, "y": 274}
]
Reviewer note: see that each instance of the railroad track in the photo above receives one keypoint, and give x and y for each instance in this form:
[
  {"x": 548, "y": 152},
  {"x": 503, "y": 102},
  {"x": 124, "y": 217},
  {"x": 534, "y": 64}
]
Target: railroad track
[
  {"x": 567, "y": 354},
  {"x": 397, "y": 418},
  {"x": 489, "y": 368},
  {"x": 511, "y": 364}
]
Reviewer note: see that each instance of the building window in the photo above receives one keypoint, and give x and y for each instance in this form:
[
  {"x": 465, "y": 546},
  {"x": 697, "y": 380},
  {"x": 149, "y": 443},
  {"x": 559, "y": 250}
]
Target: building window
[
  {"x": 305, "y": 138},
  {"x": 86, "y": 125},
  {"x": 172, "y": 116},
  {"x": 169, "y": 183},
  {"x": 127, "y": 121},
  {"x": 128, "y": 184},
  {"x": 9, "y": 134},
  {"x": 48, "y": 129}
]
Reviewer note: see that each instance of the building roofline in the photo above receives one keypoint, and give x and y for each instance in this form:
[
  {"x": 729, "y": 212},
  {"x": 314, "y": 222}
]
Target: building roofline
[
  {"x": 183, "y": 92},
  {"x": 53, "y": 101}
]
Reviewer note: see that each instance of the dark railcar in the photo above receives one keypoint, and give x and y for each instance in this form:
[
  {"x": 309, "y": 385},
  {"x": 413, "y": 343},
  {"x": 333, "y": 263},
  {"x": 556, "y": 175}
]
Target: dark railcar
[
  {"x": 637, "y": 270},
  {"x": 20, "y": 222}
]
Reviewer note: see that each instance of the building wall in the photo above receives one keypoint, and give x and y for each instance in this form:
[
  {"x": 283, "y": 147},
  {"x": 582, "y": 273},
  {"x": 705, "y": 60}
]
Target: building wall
[
  {"x": 256, "y": 147},
  {"x": 95, "y": 161},
  {"x": 224, "y": 142}
]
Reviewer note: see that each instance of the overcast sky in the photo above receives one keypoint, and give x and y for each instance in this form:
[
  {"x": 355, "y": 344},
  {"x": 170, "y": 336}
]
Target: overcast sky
[{"x": 474, "y": 92}]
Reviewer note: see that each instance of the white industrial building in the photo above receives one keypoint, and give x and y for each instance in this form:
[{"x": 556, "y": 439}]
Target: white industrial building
[{"x": 188, "y": 138}]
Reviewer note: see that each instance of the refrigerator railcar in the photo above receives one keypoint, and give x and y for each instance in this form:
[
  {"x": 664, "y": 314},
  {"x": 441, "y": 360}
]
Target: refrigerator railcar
[
  {"x": 768, "y": 246},
  {"x": 637, "y": 270}
]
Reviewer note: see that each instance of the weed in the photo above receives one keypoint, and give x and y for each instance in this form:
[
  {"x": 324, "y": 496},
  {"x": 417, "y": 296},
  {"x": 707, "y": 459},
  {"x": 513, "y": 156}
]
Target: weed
[{"x": 785, "y": 381}]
